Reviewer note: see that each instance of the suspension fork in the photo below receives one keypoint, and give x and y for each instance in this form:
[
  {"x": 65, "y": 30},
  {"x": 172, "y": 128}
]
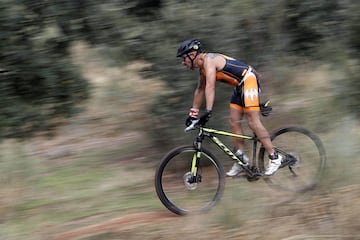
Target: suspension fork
[{"x": 196, "y": 157}]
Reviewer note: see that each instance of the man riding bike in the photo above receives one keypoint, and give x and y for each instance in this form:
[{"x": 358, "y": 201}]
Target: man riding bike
[{"x": 244, "y": 101}]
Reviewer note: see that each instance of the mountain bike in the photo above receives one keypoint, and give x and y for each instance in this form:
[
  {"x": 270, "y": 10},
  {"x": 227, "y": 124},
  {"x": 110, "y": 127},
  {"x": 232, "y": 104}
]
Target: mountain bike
[{"x": 191, "y": 179}]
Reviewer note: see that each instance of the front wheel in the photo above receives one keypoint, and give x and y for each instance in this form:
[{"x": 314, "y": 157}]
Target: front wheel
[
  {"x": 180, "y": 189},
  {"x": 303, "y": 159}
]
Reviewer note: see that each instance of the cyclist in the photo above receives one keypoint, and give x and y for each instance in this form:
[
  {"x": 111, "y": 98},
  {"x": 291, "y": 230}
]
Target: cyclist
[{"x": 244, "y": 101}]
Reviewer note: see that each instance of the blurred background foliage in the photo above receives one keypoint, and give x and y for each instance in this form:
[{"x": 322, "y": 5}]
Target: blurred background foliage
[
  {"x": 39, "y": 82},
  {"x": 103, "y": 76}
]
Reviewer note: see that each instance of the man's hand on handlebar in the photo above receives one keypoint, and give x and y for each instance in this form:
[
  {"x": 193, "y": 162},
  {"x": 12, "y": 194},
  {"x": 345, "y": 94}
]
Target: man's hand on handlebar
[
  {"x": 193, "y": 115},
  {"x": 192, "y": 120},
  {"x": 205, "y": 117}
]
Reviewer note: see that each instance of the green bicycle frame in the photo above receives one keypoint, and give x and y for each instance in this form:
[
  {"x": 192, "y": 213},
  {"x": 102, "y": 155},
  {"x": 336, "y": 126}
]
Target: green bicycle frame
[{"x": 209, "y": 132}]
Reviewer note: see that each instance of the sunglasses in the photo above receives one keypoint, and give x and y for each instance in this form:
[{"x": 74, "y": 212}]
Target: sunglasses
[{"x": 185, "y": 56}]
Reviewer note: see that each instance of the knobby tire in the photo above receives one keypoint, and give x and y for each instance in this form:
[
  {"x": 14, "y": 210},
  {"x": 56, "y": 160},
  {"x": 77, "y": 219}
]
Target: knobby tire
[
  {"x": 176, "y": 193},
  {"x": 306, "y": 153}
]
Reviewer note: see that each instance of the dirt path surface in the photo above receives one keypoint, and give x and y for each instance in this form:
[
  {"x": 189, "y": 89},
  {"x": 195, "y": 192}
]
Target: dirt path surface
[
  {"x": 319, "y": 216},
  {"x": 117, "y": 224}
]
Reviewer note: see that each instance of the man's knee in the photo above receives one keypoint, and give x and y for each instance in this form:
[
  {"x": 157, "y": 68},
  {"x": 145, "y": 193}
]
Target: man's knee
[
  {"x": 234, "y": 123},
  {"x": 252, "y": 118},
  {"x": 235, "y": 118},
  {"x": 254, "y": 125}
]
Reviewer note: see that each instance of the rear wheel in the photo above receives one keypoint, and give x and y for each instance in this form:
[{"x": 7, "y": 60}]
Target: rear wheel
[
  {"x": 179, "y": 190},
  {"x": 303, "y": 159}
]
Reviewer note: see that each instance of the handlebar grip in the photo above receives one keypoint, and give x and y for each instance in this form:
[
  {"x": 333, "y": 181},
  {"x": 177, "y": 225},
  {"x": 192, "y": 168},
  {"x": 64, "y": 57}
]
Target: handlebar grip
[{"x": 192, "y": 125}]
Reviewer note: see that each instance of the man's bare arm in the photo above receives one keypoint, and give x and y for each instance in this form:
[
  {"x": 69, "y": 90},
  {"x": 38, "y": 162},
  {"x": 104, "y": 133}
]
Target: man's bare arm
[
  {"x": 210, "y": 69},
  {"x": 199, "y": 93}
]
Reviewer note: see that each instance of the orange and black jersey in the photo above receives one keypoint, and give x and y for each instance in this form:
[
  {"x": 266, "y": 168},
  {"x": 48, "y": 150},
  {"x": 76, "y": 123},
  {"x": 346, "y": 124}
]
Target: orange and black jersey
[
  {"x": 247, "y": 87},
  {"x": 232, "y": 73}
]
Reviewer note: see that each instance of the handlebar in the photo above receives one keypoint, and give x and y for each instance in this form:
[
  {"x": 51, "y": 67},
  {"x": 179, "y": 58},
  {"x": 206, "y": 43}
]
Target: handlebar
[{"x": 192, "y": 126}]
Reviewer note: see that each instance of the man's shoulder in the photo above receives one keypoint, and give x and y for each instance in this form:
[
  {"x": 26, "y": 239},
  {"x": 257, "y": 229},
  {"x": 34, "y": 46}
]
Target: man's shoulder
[
  {"x": 212, "y": 55},
  {"x": 214, "y": 59},
  {"x": 228, "y": 57}
]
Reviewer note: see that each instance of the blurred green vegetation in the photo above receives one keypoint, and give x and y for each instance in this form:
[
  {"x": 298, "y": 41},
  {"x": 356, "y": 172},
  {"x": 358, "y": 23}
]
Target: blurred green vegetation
[
  {"x": 39, "y": 82},
  {"x": 308, "y": 52}
]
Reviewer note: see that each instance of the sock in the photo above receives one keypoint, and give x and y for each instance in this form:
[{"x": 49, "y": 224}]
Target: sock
[
  {"x": 244, "y": 159},
  {"x": 273, "y": 156}
]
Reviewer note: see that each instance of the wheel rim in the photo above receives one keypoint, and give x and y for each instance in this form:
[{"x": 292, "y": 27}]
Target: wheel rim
[
  {"x": 306, "y": 157},
  {"x": 177, "y": 192}
]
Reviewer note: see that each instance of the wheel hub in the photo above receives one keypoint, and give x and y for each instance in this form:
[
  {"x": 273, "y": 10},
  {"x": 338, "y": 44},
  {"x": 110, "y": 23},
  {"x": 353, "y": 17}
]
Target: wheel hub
[
  {"x": 295, "y": 160},
  {"x": 191, "y": 183}
]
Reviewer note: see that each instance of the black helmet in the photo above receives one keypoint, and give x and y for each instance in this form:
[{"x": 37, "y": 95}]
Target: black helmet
[{"x": 188, "y": 46}]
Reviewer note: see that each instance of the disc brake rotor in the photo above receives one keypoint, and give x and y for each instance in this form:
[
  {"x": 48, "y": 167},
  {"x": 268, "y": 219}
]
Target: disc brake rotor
[{"x": 188, "y": 181}]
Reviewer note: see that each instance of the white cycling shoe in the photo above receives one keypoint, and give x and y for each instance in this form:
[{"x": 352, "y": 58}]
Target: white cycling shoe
[
  {"x": 274, "y": 165},
  {"x": 235, "y": 170}
]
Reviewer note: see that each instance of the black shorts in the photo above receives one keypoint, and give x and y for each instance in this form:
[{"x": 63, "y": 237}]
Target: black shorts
[{"x": 246, "y": 96}]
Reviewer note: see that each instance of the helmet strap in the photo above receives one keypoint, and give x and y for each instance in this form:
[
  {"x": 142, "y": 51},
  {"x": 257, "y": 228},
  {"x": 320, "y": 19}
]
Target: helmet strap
[{"x": 192, "y": 59}]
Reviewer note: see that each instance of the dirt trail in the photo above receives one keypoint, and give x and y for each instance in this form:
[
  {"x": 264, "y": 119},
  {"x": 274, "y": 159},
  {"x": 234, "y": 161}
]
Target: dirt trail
[
  {"x": 320, "y": 216},
  {"x": 121, "y": 223}
]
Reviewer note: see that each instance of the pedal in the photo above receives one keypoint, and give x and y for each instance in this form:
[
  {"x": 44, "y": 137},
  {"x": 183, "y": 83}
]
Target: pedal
[{"x": 254, "y": 175}]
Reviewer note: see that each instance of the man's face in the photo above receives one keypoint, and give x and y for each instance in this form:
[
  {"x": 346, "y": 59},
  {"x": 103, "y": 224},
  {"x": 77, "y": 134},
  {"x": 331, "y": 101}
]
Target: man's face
[{"x": 187, "y": 60}]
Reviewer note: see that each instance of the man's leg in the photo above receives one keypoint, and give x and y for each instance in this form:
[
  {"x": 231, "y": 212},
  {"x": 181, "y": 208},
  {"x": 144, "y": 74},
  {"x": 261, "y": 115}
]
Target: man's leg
[
  {"x": 254, "y": 122},
  {"x": 236, "y": 116}
]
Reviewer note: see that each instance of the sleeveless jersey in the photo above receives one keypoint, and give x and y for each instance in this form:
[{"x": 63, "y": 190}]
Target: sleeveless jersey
[
  {"x": 247, "y": 87},
  {"x": 232, "y": 73}
]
